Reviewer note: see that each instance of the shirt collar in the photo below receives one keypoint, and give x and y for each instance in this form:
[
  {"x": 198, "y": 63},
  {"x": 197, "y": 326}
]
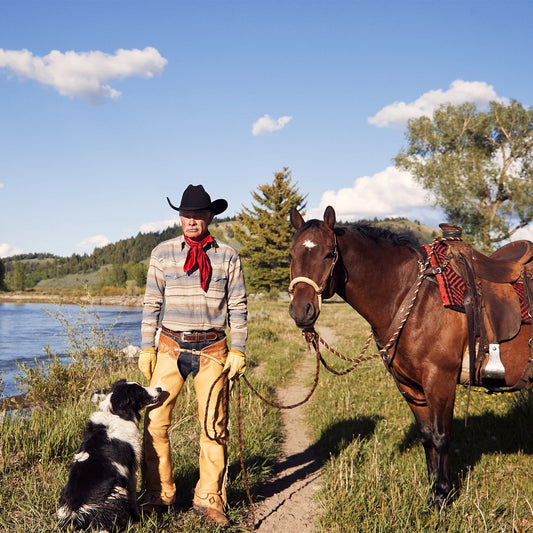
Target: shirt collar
[{"x": 213, "y": 244}]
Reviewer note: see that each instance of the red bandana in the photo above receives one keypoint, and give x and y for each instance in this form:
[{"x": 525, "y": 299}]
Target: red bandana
[{"x": 196, "y": 257}]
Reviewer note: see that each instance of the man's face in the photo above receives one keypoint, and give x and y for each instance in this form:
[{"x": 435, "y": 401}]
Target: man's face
[{"x": 195, "y": 223}]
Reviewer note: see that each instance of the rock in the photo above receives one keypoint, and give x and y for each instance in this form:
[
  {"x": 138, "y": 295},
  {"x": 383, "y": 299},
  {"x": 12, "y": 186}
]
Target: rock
[{"x": 130, "y": 351}]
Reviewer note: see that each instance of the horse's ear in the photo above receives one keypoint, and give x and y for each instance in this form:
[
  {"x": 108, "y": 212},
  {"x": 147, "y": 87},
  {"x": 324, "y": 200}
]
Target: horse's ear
[
  {"x": 296, "y": 219},
  {"x": 329, "y": 217}
]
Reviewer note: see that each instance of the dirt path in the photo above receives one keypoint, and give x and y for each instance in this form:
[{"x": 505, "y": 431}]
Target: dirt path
[{"x": 286, "y": 502}]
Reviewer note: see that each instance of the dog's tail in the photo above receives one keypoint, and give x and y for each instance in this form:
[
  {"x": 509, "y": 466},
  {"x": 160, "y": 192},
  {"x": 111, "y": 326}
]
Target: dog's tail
[
  {"x": 112, "y": 513},
  {"x": 79, "y": 518}
]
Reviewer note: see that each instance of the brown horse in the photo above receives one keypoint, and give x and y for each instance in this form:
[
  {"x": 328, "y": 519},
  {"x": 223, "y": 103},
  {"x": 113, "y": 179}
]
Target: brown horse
[{"x": 373, "y": 271}]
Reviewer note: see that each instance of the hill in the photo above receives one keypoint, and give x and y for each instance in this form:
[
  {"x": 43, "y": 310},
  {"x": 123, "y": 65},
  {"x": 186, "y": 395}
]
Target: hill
[
  {"x": 48, "y": 271},
  {"x": 128, "y": 258},
  {"x": 422, "y": 233}
]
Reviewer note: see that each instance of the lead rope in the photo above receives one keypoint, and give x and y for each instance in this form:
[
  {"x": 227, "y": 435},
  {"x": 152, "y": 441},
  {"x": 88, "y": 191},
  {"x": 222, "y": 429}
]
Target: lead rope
[
  {"x": 240, "y": 440},
  {"x": 312, "y": 338},
  {"x": 221, "y": 439}
]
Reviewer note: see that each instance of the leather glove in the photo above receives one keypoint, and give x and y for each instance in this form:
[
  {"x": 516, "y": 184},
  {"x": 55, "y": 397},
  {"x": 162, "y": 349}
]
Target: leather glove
[
  {"x": 235, "y": 363},
  {"x": 146, "y": 363}
]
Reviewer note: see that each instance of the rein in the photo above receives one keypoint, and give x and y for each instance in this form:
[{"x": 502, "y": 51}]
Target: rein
[
  {"x": 401, "y": 316},
  {"x": 314, "y": 339},
  {"x": 396, "y": 326}
]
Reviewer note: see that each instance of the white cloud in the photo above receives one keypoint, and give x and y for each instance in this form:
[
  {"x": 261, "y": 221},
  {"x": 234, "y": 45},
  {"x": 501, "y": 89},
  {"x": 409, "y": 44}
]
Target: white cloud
[
  {"x": 159, "y": 225},
  {"x": 97, "y": 241},
  {"x": 523, "y": 233},
  {"x": 389, "y": 193},
  {"x": 267, "y": 125},
  {"x": 396, "y": 115},
  {"x": 6, "y": 250},
  {"x": 85, "y": 75}
]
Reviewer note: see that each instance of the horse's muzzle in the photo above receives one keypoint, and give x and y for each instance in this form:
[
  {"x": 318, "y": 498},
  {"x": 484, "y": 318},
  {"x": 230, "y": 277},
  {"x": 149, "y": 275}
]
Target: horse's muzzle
[{"x": 304, "y": 314}]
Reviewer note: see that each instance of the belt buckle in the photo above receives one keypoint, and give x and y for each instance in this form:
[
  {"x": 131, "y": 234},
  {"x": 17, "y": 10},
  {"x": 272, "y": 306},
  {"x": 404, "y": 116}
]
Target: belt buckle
[
  {"x": 200, "y": 336},
  {"x": 193, "y": 337},
  {"x": 188, "y": 336}
]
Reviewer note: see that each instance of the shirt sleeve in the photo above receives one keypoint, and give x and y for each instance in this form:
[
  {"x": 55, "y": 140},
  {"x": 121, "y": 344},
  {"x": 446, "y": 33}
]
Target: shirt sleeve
[
  {"x": 153, "y": 301},
  {"x": 237, "y": 305}
]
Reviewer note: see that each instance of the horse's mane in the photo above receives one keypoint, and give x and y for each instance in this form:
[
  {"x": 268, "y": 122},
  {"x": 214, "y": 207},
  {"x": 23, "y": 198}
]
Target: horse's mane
[{"x": 406, "y": 238}]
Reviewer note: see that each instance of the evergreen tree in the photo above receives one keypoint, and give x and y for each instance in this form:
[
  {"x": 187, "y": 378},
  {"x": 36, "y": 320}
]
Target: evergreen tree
[{"x": 265, "y": 232}]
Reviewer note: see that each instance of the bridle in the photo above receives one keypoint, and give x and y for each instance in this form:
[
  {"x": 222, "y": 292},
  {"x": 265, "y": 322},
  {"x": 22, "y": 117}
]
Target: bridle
[{"x": 318, "y": 287}]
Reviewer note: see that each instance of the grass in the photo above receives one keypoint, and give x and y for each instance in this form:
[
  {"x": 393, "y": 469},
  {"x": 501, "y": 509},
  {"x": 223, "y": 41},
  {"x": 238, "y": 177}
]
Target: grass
[
  {"x": 374, "y": 467},
  {"x": 37, "y": 446},
  {"x": 375, "y": 478}
]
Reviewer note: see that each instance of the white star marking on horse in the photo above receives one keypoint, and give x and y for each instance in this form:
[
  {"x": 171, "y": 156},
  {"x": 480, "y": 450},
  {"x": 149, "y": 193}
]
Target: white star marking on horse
[{"x": 309, "y": 244}]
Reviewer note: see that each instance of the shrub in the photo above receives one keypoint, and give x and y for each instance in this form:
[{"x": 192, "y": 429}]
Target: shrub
[{"x": 93, "y": 352}]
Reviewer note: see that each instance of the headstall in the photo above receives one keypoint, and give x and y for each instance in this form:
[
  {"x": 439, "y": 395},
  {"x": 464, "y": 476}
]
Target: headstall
[{"x": 319, "y": 289}]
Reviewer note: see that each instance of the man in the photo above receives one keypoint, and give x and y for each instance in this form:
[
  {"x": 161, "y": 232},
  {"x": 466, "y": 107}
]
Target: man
[{"x": 200, "y": 282}]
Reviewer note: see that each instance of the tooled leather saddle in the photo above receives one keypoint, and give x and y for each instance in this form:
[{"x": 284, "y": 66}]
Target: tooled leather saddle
[{"x": 494, "y": 299}]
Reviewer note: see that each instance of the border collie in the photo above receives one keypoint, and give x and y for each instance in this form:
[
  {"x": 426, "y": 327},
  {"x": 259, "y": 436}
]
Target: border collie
[{"x": 102, "y": 484}]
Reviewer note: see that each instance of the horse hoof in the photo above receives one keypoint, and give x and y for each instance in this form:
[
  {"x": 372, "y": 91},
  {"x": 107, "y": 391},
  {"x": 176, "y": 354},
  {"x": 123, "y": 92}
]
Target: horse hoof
[{"x": 436, "y": 503}]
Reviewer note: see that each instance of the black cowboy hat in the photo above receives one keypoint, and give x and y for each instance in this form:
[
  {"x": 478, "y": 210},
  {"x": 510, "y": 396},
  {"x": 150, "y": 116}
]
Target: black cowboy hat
[{"x": 196, "y": 199}]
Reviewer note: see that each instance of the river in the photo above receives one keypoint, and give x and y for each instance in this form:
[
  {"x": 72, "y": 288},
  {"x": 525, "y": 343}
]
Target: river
[{"x": 27, "y": 328}]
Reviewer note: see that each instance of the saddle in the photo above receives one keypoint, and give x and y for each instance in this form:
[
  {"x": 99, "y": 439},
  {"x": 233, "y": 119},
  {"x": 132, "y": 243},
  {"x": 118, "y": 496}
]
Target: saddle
[{"x": 491, "y": 301}]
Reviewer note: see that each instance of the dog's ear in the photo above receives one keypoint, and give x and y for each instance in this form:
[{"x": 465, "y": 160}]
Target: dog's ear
[
  {"x": 118, "y": 383},
  {"x": 121, "y": 396}
]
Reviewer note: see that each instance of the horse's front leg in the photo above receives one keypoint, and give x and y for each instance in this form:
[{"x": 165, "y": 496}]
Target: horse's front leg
[{"x": 434, "y": 422}]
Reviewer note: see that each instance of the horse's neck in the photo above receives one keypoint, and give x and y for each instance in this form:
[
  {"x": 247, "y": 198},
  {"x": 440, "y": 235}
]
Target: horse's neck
[{"x": 378, "y": 275}]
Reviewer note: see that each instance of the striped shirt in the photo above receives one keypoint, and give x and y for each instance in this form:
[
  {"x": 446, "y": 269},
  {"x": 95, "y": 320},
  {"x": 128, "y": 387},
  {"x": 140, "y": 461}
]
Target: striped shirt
[{"x": 186, "y": 306}]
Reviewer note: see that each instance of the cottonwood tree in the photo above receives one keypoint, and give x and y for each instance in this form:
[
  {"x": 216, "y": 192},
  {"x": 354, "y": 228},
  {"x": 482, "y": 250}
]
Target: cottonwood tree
[
  {"x": 265, "y": 232},
  {"x": 478, "y": 165},
  {"x": 19, "y": 276}
]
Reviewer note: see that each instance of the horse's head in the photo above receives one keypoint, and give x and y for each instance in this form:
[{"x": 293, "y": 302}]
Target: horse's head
[{"x": 313, "y": 258}]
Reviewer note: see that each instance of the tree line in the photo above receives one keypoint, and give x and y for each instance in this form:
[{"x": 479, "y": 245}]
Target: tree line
[
  {"x": 26, "y": 270},
  {"x": 263, "y": 234},
  {"x": 478, "y": 166}
]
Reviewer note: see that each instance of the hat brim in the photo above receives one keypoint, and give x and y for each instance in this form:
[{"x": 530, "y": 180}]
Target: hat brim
[
  {"x": 219, "y": 206},
  {"x": 216, "y": 207}
]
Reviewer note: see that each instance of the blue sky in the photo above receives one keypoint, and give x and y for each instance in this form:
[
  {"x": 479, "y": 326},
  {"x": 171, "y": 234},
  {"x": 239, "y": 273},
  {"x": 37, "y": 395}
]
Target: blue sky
[{"x": 107, "y": 107}]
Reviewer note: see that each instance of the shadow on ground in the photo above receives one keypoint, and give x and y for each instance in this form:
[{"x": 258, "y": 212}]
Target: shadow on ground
[
  {"x": 508, "y": 433},
  {"x": 333, "y": 440}
]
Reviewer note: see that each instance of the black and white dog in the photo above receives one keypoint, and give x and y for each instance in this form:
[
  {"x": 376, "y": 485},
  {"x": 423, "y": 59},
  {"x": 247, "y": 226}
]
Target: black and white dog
[{"x": 102, "y": 484}]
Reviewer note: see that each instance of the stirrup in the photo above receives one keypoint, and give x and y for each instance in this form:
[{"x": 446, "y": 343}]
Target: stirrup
[{"x": 494, "y": 368}]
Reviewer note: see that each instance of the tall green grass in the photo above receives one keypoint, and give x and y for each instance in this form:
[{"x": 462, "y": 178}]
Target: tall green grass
[
  {"x": 374, "y": 467},
  {"x": 375, "y": 471},
  {"x": 37, "y": 445}
]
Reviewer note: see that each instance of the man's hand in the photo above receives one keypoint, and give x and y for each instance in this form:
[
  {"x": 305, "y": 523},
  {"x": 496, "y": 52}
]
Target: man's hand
[
  {"x": 147, "y": 359},
  {"x": 235, "y": 363}
]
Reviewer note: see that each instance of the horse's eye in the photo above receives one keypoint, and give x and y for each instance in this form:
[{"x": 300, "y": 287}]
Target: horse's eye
[{"x": 331, "y": 255}]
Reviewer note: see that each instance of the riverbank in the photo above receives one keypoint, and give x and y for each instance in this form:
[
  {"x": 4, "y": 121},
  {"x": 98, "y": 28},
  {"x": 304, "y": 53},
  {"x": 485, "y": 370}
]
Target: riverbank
[
  {"x": 16, "y": 402},
  {"x": 33, "y": 327},
  {"x": 56, "y": 298}
]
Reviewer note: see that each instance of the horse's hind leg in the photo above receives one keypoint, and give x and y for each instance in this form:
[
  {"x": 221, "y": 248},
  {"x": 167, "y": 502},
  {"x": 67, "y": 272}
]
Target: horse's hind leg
[{"x": 434, "y": 422}]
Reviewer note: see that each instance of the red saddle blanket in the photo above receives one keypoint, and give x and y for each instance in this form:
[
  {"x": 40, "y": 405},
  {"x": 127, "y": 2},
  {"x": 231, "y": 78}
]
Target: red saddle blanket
[{"x": 452, "y": 286}]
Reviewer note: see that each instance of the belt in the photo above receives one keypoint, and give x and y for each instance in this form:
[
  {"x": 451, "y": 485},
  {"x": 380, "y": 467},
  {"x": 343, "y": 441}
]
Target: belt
[{"x": 194, "y": 336}]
